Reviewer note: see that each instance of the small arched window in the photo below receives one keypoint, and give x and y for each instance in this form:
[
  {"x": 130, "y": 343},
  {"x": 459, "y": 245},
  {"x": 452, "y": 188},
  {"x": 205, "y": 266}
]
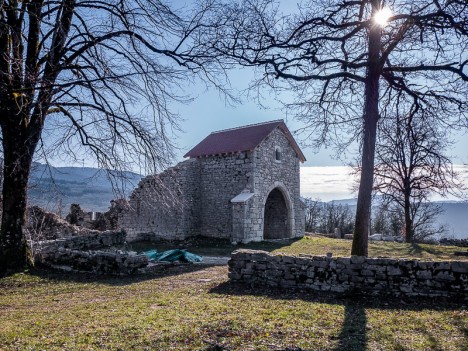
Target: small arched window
[{"x": 278, "y": 154}]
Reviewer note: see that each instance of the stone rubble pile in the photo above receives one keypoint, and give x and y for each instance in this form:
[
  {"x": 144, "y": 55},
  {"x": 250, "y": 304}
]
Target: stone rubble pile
[
  {"x": 355, "y": 274},
  {"x": 43, "y": 225}
]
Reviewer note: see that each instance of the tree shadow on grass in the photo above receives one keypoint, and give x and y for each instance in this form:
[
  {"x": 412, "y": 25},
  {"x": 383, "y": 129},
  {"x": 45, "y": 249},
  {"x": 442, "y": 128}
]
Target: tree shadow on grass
[
  {"x": 430, "y": 249},
  {"x": 415, "y": 249},
  {"x": 353, "y": 333}
]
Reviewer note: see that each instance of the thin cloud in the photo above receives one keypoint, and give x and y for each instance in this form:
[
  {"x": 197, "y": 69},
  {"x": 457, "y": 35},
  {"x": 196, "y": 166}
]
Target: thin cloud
[{"x": 336, "y": 182}]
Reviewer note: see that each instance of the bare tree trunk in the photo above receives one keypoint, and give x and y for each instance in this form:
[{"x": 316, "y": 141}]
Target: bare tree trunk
[
  {"x": 408, "y": 221},
  {"x": 371, "y": 116},
  {"x": 362, "y": 223},
  {"x": 14, "y": 250}
]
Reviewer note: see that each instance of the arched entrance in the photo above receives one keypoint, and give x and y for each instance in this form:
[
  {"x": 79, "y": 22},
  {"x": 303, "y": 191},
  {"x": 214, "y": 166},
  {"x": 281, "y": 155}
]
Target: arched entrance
[{"x": 276, "y": 223}]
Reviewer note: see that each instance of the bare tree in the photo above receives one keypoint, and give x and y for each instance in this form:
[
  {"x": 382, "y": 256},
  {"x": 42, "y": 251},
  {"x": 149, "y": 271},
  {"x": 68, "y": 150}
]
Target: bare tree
[
  {"x": 345, "y": 66},
  {"x": 90, "y": 79},
  {"x": 325, "y": 217},
  {"x": 410, "y": 166},
  {"x": 387, "y": 219},
  {"x": 313, "y": 214}
]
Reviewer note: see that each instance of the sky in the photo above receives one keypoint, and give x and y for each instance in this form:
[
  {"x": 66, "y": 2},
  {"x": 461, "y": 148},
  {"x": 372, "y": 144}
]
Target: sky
[
  {"x": 328, "y": 183},
  {"x": 209, "y": 112}
]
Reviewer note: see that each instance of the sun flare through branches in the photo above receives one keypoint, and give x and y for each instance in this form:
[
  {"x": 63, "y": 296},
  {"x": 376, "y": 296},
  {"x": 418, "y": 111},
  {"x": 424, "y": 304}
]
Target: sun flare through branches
[{"x": 382, "y": 16}]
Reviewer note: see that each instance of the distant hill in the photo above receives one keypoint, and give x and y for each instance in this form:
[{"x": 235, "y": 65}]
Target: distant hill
[
  {"x": 455, "y": 215},
  {"x": 56, "y": 188}
]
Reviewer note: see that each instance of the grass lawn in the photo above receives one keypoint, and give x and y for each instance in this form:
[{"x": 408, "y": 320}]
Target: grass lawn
[
  {"x": 194, "y": 307},
  {"x": 312, "y": 245}
]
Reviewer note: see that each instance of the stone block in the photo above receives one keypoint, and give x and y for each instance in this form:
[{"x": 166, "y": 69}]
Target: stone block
[
  {"x": 246, "y": 271},
  {"x": 460, "y": 267},
  {"x": 424, "y": 274},
  {"x": 438, "y": 266},
  {"x": 358, "y": 259},
  {"x": 444, "y": 276},
  {"x": 367, "y": 273},
  {"x": 310, "y": 273},
  {"x": 394, "y": 271},
  {"x": 338, "y": 288},
  {"x": 319, "y": 264},
  {"x": 406, "y": 288},
  {"x": 357, "y": 279},
  {"x": 355, "y": 266},
  {"x": 343, "y": 260},
  {"x": 350, "y": 272}
]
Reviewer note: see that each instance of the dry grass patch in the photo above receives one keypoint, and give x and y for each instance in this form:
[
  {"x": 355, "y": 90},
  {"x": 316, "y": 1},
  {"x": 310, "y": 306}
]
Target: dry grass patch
[{"x": 320, "y": 246}]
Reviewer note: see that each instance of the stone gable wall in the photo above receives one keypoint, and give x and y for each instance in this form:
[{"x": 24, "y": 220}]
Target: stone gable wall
[
  {"x": 355, "y": 274},
  {"x": 222, "y": 177},
  {"x": 165, "y": 205},
  {"x": 270, "y": 173}
]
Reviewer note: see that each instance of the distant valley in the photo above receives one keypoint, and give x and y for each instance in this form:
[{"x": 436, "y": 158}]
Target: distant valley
[{"x": 56, "y": 188}]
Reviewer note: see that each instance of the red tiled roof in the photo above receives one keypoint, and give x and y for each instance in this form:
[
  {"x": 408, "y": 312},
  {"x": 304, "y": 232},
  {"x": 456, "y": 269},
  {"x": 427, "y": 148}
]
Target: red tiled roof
[{"x": 241, "y": 139}]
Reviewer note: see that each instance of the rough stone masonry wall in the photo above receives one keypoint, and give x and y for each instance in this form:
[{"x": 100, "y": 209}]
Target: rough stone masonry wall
[
  {"x": 268, "y": 172},
  {"x": 355, "y": 274},
  {"x": 165, "y": 205},
  {"x": 222, "y": 177}
]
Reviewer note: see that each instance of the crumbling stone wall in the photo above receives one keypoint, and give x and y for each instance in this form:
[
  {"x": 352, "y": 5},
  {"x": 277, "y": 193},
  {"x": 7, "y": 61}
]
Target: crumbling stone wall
[
  {"x": 165, "y": 205},
  {"x": 84, "y": 242},
  {"x": 355, "y": 274},
  {"x": 43, "y": 225}
]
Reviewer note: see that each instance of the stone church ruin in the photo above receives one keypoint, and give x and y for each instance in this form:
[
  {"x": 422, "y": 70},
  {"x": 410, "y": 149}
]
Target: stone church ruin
[{"x": 240, "y": 184}]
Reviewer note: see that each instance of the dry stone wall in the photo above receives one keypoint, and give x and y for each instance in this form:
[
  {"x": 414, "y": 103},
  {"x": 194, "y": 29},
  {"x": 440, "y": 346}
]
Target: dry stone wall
[
  {"x": 43, "y": 225},
  {"x": 85, "y": 242},
  {"x": 86, "y": 254},
  {"x": 355, "y": 274}
]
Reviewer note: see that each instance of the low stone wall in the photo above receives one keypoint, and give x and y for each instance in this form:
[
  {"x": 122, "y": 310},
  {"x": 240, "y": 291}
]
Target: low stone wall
[
  {"x": 76, "y": 254},
  {"x": 355, "y": 274},
  {"x": 98, "y": 262}
]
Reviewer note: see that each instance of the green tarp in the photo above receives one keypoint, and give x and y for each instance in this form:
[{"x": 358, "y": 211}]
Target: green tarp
[{"x": 172, "y": 255}]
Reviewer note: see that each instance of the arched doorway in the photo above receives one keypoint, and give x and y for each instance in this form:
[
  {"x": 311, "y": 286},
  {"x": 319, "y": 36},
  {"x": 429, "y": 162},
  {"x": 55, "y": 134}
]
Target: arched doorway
[{"x": 276, "y": 224}]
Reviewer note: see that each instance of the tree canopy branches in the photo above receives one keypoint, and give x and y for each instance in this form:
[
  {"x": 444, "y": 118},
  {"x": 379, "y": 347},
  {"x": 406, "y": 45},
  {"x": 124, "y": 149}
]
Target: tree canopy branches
[
  {"x": 90, "y": 78},
  {"x": 94, "y": 61},
  {"x": 345, "y": 70},
  {"x": 321, "y": 54}
]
